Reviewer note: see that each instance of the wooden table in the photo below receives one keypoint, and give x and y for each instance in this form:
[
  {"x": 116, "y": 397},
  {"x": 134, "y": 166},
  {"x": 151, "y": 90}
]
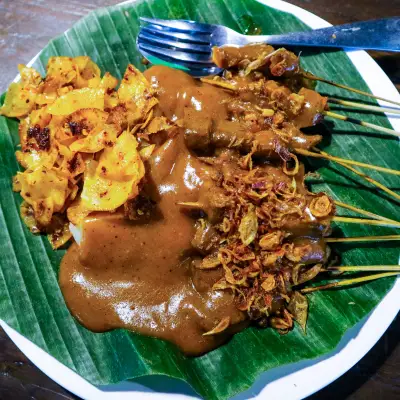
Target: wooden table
[{"x": 25, "y": 28}]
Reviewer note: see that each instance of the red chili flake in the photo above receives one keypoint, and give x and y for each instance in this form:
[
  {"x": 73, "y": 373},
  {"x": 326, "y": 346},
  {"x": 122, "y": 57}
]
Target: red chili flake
[
  {"x": 76, "y": 127},
  {"x": 74, "y": 163},
  {"x": 42, "y": 136}
]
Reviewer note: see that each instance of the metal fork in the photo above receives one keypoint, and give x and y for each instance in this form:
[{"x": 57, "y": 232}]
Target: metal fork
[{"x": 188, "y": 44}]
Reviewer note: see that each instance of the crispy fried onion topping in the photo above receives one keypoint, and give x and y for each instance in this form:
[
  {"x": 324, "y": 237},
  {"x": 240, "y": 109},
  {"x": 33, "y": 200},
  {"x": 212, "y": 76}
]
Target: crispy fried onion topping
[{"x": 261, "y": 258}]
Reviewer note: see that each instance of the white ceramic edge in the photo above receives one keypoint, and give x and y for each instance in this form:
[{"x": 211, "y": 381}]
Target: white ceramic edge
[{"x": 293, "y": 386}]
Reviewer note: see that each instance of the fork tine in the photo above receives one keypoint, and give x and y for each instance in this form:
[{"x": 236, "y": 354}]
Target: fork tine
[
  {"x": 177, "y": 56},
  {"x": 197, "y": 70},
  {"x": 201, "y": 72},
  {"x": 168, "y": 43},
  {"x": 183, "y": 37},
  {"x": 180, "y": 25}
]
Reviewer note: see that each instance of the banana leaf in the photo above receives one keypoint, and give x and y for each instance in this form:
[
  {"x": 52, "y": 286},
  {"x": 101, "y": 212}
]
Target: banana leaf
[{"x": 30, "y": 298}]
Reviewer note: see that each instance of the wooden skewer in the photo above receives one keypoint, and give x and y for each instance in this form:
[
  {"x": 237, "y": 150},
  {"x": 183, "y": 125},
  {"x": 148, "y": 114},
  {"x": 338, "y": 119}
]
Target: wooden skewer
[
  {"x": 345, "y": 161},
  {"x": 308, "y": 75},
  {"x": 362, "y": 106},
  {"x": 191, "y": 204},
  {"x": 366, "y": 177},
  {"x": 220, "y": 83},
  {"x": 362, "y": 123},
  {"x": 347, "y": 282},
  {"x": 366, "y": 221},
  {"x": 363, "y": 212},
  {"x": 361, "y": 268},
  {"x": 363, "y": 239}
]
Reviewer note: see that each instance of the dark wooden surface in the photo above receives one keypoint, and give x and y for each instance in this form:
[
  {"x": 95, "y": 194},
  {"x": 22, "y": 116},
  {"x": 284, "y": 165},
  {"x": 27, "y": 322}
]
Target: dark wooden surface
[{"x": 25, "y": 27}]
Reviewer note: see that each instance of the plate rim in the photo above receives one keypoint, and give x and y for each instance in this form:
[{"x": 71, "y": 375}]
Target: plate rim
[{"x": 294, "y": 381}]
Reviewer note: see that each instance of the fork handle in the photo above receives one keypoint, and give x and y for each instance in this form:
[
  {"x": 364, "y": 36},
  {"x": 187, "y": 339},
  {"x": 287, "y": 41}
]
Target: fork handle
[{"x": 379, "y": 34}]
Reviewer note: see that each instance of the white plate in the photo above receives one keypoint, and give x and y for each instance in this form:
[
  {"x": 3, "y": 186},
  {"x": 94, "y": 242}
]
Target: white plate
[{"x": 294, "y": 381}]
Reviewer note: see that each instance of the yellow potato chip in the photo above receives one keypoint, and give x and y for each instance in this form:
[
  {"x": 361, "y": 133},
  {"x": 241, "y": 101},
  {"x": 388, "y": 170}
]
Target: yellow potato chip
[
  {"x": 60, "y": 233},
  {"x": 87, "y": 120},
  {"x": 76, "y": 100},
  {"x": 136, "y": 93},
  {"x": 44, "y": 190},
  {"x": 70, "y": 163},
  {"x": 134, "y": 87},
  {"x": 122, "y": 160},
  {"x": 158, "y": 124},
  {"x": 29, "y": 76},
  {"x": 108, "y": 81},
  {"x": 77, "y": 212},
  {"x": 35, "y": 158},
  {"x": 88, "y": 73},
  {"x": 19, "y": 101},
  {"x": 146, "y": 152},
  {"x": 109, "y": 183},
  {"x": 102, "y": 194},
  {"x": 96, "y": 142}
]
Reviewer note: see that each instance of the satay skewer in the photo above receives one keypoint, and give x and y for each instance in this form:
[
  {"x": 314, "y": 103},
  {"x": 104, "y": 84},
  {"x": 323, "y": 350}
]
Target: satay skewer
[
  {"x": 385, "y": 238},
  {"x": 312, "y": 77},
  {"x": 361, "y": 221},
  {"x": 361, "y": 123},
  {"x": 366, "y": 177},
  {"x": 365, "y": 268},
  {"x": 347, "y": 282},
  {"x": 363, "y": 212},
  {"x": 354, "y": 104},
  {"x": 345, "y": 161}
]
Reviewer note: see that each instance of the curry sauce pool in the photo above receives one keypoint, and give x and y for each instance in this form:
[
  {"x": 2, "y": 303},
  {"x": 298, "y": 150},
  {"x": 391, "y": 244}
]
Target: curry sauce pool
[
  {"x": 157, "y": 272},
  {"x": 137, "y": 276}
]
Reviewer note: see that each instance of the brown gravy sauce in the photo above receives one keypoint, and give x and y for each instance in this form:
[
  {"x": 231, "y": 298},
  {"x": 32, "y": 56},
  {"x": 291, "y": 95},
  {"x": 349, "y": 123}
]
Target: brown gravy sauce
[{"x": 138, "y": 275}]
